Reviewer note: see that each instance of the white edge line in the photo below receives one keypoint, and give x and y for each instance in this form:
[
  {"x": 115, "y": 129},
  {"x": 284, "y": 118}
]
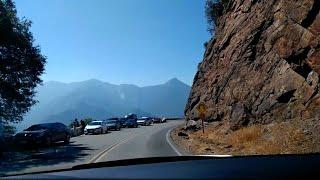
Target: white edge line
[{"x": 172, "y": 146}]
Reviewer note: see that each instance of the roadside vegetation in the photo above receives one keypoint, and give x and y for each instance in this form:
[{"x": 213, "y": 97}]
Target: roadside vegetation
[
  {"x": 213, "y": 10},
  {"x": 290, "y": 137},
  {"x": 21, "y": 65}
]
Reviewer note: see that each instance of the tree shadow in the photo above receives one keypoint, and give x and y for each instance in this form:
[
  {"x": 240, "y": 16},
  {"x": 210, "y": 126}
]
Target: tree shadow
[{"x": 59, "y": 153}]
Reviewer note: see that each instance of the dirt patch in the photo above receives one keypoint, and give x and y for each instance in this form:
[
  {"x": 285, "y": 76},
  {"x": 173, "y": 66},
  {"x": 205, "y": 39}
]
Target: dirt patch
[{"x": 289, "y": 137}]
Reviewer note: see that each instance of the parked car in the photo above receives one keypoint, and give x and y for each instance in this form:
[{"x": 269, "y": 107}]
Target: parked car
[
  {"x": 131, "y": 120},
  {"x": 131, "y": 116},
  {"x": 156, "y": 120},
  {"x": 43, "y": 134},
  {"x": 145, "y": 121},
  {"x": 114, "y": 124},
  {"x": 96, "y": 127},
  {"x": 123, "y": 122},
  {"x": 163, "y": 120},
  {"x": 131, "y": 123}
]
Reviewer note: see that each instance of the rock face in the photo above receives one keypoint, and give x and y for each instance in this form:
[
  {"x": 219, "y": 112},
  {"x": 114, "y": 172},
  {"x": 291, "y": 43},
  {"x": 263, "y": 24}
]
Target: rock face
[{"x": 262, "y": 65}]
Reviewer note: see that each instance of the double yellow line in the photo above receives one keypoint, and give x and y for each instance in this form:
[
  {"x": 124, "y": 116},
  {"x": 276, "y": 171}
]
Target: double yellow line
[{"x": 108, "y": 149}]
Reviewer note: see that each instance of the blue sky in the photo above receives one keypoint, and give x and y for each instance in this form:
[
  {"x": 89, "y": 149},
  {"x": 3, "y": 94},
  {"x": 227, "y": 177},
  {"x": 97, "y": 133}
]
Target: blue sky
[{"x": 142, "y": 42}]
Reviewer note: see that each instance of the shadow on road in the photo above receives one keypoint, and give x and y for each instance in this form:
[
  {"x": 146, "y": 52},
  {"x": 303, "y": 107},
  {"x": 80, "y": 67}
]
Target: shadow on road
[{"x": 15, "y": 162}]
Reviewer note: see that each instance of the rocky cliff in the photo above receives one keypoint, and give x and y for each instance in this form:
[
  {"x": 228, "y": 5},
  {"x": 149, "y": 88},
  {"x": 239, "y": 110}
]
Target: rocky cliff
[{"x": 262, "y": 65}]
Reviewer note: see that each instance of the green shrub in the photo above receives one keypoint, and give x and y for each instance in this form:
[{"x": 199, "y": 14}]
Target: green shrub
[{"x": 213, "y": 10}]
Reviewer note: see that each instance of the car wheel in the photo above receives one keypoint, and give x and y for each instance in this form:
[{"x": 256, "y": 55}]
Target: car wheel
[{"x": 67, "y": 139}]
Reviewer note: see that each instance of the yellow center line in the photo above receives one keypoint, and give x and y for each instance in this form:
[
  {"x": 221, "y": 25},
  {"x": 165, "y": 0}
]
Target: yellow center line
[{"x": 103, "y": 153}]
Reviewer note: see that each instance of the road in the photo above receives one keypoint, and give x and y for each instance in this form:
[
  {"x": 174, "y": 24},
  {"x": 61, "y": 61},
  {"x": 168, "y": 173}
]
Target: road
[{"x": 144, "y": 141}]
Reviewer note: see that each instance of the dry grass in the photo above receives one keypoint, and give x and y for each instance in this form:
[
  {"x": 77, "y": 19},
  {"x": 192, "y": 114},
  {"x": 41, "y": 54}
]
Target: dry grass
[{"x": 292, "y": 137}]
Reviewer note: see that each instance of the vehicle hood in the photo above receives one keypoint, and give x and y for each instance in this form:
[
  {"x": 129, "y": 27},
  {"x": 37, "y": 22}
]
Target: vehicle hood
[{"x": 93, "y": 126}]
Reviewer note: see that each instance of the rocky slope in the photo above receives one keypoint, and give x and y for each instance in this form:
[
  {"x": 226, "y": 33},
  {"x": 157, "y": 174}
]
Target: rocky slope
[{"x": 262, "y": 65}]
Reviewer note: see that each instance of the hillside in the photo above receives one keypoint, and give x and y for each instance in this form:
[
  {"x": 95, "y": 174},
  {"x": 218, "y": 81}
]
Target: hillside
[
  {"x": 260, "y": 70},
  {"x": 63, "y": 102}
]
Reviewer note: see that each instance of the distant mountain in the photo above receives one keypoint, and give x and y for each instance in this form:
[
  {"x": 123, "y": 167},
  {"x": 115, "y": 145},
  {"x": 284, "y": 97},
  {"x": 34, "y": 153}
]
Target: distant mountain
[{"x": 62, "y": 102}]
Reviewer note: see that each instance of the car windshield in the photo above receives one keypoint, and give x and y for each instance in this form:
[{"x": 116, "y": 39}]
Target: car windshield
[
  {"x": 111, "y": 121},
  {"x": 95, "y": 123},
  {"x": 132, "y": 79},
  {"x": 36, "y": 128}
]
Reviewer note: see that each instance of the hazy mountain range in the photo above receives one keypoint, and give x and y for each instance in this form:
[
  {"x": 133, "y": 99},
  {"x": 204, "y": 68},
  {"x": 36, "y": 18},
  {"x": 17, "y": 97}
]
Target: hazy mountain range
[{"x": 62, "y": 102}]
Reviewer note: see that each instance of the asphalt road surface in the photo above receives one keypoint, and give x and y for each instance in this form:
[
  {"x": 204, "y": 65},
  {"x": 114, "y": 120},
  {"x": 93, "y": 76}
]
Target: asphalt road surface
[{"x": 144, "y": 141}]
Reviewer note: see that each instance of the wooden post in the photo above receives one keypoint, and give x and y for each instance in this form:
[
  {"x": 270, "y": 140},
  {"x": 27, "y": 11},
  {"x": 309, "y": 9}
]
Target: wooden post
[
  {"x": 202, "y": 119},
  {"x": 202, "y": 127}
]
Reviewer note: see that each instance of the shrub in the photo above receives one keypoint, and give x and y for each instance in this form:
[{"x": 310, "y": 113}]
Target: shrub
[{"x": 213, "y": 10}]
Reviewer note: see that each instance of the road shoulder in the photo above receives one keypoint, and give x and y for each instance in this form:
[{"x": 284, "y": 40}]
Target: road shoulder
[{"x": 174, "y": 142}]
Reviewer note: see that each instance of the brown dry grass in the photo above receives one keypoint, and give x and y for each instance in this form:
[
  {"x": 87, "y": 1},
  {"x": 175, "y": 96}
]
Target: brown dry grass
[{"x": 291, "y": 137}]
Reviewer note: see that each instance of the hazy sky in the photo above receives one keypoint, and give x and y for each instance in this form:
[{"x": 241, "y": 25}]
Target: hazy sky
[{"x": 142, "y": 42}]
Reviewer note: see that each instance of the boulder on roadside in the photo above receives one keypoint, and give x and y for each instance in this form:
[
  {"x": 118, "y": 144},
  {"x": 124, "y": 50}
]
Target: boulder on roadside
[
  {"x": 192, "y": 125},
  {"x": 183, "y": 134}
]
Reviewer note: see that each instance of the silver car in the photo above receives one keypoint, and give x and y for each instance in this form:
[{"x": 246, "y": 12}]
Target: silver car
[
  {"x": 145, "y": 121},
  {"x": 96, "y": 127}
]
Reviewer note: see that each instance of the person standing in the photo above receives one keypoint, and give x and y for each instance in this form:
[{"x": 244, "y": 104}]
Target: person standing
[
  {"x": 75, "y": 125},
  {"x": 77, "y": 122},
  {"x": 83, "y": 125}
]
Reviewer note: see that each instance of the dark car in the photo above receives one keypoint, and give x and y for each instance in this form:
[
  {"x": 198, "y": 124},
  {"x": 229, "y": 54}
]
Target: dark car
[
  {"x": 123, "y": 122},
  {"x": 113, "y": 124},
  {"x": 156, "y": 120},
  {"x": 131, "y": 116},
  {"x": 43, "y": 134},
  {"x": 131, "y": 120},
  {"x": 131, "y": 123}
]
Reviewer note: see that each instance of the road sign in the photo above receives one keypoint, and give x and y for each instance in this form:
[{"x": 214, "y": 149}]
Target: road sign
[{"x": 202, "y": 108}]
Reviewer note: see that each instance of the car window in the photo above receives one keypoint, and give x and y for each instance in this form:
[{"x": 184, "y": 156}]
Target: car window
[
  {"x": 36, "y": 127},
  {"x": 61, "y": 127},
  {"x": 95, "y": 123},
  {"x": 112, "y": 121}
]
